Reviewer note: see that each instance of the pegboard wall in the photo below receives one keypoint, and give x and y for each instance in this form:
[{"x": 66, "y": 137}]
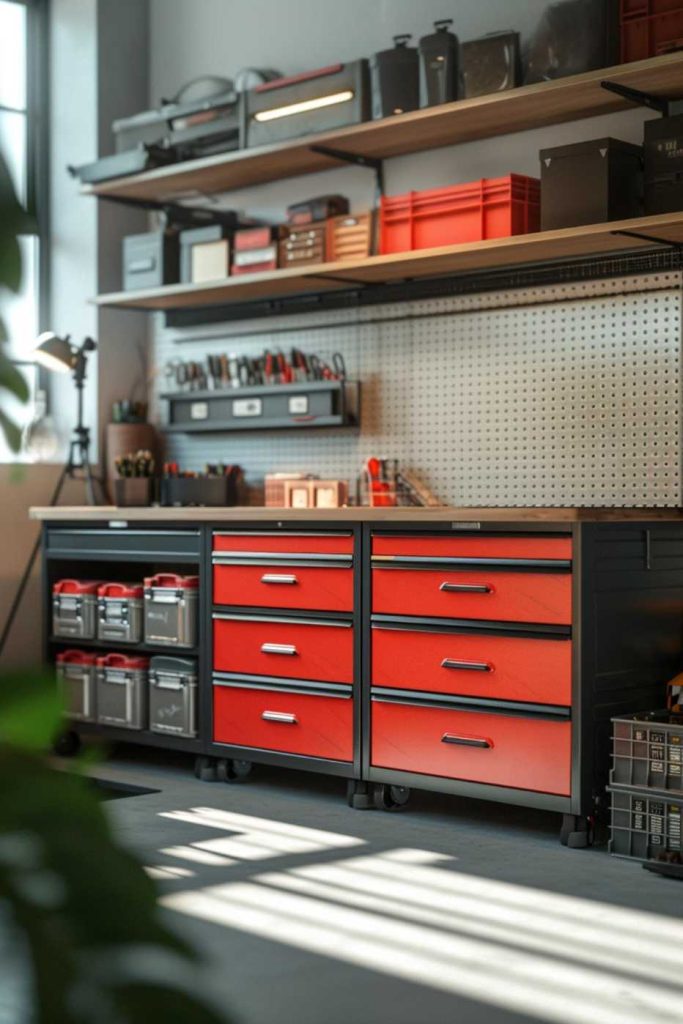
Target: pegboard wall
[{"x": 563, "y": 395}]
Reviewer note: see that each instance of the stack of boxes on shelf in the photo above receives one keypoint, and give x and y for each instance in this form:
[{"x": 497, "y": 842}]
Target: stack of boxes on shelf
[
  {"x": 646, "y": 787},
  {"x": 129, "y": 690}
]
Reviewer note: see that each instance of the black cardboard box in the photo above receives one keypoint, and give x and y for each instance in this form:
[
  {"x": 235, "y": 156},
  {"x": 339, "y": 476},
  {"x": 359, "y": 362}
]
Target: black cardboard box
[{"x": 590, "y": 183}]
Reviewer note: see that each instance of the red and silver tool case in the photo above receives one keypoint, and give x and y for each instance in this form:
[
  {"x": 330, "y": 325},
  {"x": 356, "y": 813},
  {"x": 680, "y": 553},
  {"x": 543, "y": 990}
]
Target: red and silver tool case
[
  {"x": 121, "y": 681},
  {"x": 76, "y": 680},
  {"x": 74, "y": 608},
  {"x": 119, "y": 612}
]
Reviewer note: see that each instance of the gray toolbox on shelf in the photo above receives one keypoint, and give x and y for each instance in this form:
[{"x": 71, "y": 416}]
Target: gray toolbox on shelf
[
  {"x": 74, "y": 608},
  {"x": 171, "y": 609},
  {"x": 173, "y": 695},
  {"x": 122, "y": 690},
  {"x": 119, "y": 612},
  {"x": 76, "y": 681},
  {"x": 646, "y": 787}
]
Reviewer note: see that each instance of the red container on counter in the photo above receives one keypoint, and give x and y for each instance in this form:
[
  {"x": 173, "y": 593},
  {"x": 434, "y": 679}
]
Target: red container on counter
[{"x": 488, "y": 208}]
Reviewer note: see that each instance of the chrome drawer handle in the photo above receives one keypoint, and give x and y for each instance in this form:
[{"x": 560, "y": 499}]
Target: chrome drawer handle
[
  {"x": 466, "y": 588},
  {"x": 279, "y": 716},
  {"x": 466, "y": 741},
  {"x": 278, "y": 649},
  {"x": 271, "y": 577},
  {"x": 468, "y": 666}
]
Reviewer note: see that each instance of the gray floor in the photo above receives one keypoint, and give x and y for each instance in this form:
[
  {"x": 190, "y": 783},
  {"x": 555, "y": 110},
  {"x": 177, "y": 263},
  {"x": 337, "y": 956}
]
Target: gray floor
[{"x": 470, "y": 928}]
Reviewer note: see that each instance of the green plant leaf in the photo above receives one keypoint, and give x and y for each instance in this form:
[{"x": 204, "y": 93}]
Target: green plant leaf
[
  {"x": 30, "y": 710},
  {"x": 11, "y": 431},
  {"x": 13, "y": 221},
  {"x": 12, "y": 380}
]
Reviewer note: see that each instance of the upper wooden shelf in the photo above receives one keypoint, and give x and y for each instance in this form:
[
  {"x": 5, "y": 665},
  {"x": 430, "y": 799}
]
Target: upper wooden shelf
[
  {"x": 530, "y": 106},
  {"x": 568, "y": 243}
]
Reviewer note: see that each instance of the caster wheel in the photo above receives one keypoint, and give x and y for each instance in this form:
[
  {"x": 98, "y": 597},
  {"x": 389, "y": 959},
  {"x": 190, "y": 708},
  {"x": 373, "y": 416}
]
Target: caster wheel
[
  {"x": 359, "y": 796},
  {"x": 68, "y": 744},
  {"x": 223, "y": 770},
  {"x": 242, "y": 769},
  {"x": 576, "y": 832},
  {"x": 390, "y": 798},
  {"x": 205, "y": 769},
  {"x": 228, "y": 770}
]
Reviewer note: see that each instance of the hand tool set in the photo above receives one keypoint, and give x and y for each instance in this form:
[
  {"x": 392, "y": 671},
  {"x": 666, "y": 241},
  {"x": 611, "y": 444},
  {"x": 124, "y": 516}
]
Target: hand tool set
[{"x": 222, "y": 372}]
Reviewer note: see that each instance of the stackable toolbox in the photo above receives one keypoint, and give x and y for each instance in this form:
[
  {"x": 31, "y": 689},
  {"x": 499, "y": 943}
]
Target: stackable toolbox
[
  {"x": 590, "y": 183},
  {"x": 301, "y": 246},
  {"x": 170, "y": 610},
  {"x": 119, "y": 612},
  {"x": 350, "y": 236},
  {"x": 76, "y": 682},
  {"x": 150, "y": 260},
  {"x": 121, "y": 682},
  {"x": 173, "y": 696},
  {"x": 255, "y": 250},
  {"x": 74, "y": 608}
]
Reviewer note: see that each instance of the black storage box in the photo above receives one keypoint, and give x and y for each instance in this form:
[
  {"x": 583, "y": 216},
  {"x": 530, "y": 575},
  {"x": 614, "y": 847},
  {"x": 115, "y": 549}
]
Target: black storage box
[
  {"x": 573, "y": 36},
  {"x": 150, "y": 260},
  {"x": 490, "y": 64},
  {"x": 395, "y": 79},
  {"x": 590, "y": 183},
  {"x": 216, "y": 491},
  {"x": 205, "y": 254},
  {"x": 286, "y": 107},
  {"x": 663, "y": 160},
  {"x": 439, "y": 65}
]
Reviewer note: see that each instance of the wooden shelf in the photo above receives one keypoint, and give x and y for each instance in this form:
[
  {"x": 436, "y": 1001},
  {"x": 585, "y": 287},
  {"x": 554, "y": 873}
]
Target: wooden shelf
[
  {"x": 568, "y": 243},
  {"x": 530, "y": 106}
]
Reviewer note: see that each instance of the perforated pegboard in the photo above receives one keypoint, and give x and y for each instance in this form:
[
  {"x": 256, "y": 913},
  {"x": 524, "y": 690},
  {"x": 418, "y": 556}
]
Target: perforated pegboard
[{"x": 563, "y": 395}]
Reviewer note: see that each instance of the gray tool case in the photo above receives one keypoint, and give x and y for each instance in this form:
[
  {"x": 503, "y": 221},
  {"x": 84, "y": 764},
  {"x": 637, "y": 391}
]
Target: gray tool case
[
  {"x": 73, "y": 608},
  {"x": 173, "y": 696},
  {"x": 76, "y": 682},
  {"x": 171, "y": 610},
  {"x": 119, "y": 612},
  {"x": 122, "y": 691}
]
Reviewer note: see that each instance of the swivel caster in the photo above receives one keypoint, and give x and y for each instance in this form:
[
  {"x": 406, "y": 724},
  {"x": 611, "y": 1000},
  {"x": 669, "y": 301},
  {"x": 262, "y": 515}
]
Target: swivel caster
[
  {"x": 205, "y": 768},
  {"x": 576, "y": 832},
  {"x": 67, "y": 744},
  {"x": 359, "y": 795},
  {"x": 390, "y": 798},
  {"x": 228, "y": 770}
]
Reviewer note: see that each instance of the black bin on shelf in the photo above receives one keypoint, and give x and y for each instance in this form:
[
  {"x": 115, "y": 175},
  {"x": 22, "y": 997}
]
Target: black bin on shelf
[{"x": 590, "y": 183}]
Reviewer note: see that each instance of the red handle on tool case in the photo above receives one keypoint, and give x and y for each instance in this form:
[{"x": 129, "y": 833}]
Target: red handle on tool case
[
  {"x": 76, "y": 587},
  {"x": 171, "y": 579},
  {"x": 115, "y": 660},
  {"x": 75, "y": 658},
  {"x": 120, "y": 590}
]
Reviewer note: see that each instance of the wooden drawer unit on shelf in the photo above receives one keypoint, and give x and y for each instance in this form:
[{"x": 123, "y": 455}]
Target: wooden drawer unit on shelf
[
  {"x": 310, "y": 722},
  {"x": 289, "y": 571},
  {"x": 495, "y": 748},
  {"x": 289, "y": 648},
  {"x": 532, "y": 669}
]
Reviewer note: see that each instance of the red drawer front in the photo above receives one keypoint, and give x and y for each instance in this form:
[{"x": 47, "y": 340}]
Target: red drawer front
[
  {"x": 509, "y": 596},
  {"x": 520, "y": 753},
  {"x": 281, "y": 586},
  {"x": 474, "y": 547},
  {"x": 304, "y": 543},
  {"x": 538, "y": 671},
  {"x": 295, "y": 723},
  {"x": 321, "y": 652}
]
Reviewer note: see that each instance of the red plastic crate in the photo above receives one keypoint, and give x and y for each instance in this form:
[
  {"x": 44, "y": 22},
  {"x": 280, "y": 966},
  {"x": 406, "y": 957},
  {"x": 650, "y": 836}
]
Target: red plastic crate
[
  {"x": 488, "y": 208},
  {"x": 650, "y": 27}
]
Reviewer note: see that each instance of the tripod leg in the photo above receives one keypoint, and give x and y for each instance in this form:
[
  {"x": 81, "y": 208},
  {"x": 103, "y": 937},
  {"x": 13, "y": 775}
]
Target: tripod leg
[
  {"x": 89, "y": 480},
  {"x": 14, "y": 607}
]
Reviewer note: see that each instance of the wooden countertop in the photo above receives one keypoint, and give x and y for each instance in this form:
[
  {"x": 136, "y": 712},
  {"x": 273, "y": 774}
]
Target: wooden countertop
[{"x": 257, "y": 514}]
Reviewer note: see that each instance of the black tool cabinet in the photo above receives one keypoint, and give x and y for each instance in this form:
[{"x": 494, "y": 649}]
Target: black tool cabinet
[{"x": 625, "y": 585}]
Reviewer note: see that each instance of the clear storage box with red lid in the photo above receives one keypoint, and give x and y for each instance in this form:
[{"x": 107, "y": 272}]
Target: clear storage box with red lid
[
  {"x": 76, "y": 682},
  {"x": 121, "y": 690},
  {"x": 74, "y": 604},
  {"x": 171, "y": 609},
  {"x": 119, "y": 612}
]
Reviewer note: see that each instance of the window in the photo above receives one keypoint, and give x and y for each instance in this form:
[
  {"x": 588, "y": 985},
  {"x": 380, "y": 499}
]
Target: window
[{"x": 23, "y": 143}]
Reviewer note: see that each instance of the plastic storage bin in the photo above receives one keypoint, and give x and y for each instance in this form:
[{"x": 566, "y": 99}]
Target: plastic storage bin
[
  {"x": 650, "y": 27},
  {"x": 171, "y": 609},
  {"x": 173, "y": 696},
  {"x": 74, "y": 605},
  {"x": 119, "y": 612},
  {"x": 647, "y": 751},
  {"x": 488, "y": 208},
  {"x": 76, "y": 681},
  {"x": 645, "y": 826},
  {"x": 121, "y": 682}
]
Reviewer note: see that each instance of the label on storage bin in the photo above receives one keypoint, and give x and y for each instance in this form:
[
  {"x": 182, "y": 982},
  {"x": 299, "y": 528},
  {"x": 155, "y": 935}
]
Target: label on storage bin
[
  {"x": 298, "y": 405},
  {"x": 247, "y": 407},
  {"x": 199, "y": 410}
]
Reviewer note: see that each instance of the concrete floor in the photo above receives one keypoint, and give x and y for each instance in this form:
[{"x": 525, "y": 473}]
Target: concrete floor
[{"x": 448, "y": 911}]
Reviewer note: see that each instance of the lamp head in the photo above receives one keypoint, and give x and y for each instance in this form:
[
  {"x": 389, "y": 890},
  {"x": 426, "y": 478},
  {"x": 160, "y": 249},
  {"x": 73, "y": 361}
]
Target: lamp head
[{"x": 54, "y": 353}]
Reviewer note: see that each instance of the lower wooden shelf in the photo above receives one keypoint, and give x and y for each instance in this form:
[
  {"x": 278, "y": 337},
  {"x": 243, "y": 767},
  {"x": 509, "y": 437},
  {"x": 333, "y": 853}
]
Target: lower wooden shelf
[{"x": 589, "y": 240}]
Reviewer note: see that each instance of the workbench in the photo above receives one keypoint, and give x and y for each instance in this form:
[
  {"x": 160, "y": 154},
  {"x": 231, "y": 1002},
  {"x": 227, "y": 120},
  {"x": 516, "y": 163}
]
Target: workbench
[{"x": 479, "y": 652}]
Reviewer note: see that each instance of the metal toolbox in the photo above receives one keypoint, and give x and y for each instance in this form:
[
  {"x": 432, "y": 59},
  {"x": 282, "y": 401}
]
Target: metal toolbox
[
  {"x": 171, "y": 609},
  {"x": 119, "y": 612},
  {"x": 76, "y": 681},
  {"x": 121, "y": 690},
  {"x": 173, "y": 696},
  {"x": 303, "y": 245},
  {"x": 74, "y": 605}
]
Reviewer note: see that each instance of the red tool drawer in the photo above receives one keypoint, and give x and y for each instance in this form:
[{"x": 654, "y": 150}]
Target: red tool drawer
[
  {"x": 473, "y": 547},
  {"x": 294, "y": 543},
  {"x": 500, "y": 750},
  {"x": 290, "y": 648},
  {"x": 502, "y": 667},
  {"x": 266, "y": 586},
  {"x": 474, "y": 594},
  {"x": 295, "y": 723}
]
